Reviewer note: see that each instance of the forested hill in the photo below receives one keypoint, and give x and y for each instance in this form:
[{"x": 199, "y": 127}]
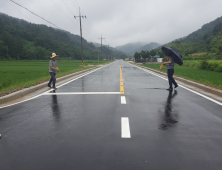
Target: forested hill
[
  {"x": 22, "y": 40},
  {"x": 205, "y": 32},
  {"x": 207, "y": 39}
]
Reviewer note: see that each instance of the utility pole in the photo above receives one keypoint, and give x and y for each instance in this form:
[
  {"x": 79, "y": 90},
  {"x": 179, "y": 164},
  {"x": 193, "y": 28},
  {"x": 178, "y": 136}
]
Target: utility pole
[
  {"x": 80, "y": 17},
  {"x": 108, "y": 52},
  {"x": 101, "y": 42},
  {"x": 98, "y": 57}
]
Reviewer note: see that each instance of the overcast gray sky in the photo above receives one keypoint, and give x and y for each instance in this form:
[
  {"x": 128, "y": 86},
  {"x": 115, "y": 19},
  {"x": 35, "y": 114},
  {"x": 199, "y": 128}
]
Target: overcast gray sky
[{"x": 121, "y": 21}]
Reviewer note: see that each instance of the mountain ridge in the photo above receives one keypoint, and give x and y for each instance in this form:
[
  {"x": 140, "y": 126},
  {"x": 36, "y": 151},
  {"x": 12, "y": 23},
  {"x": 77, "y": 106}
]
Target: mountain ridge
[{"x": 131, "y": 48}]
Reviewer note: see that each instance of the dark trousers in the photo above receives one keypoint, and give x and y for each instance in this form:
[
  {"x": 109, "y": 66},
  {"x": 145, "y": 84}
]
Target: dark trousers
[
  {"x": 170, "y": 77},
  {"x": 53, "y": 79}
]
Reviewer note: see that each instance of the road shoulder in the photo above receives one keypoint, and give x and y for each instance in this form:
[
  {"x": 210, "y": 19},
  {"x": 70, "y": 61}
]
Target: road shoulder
[{"x": 209, "y": 91}]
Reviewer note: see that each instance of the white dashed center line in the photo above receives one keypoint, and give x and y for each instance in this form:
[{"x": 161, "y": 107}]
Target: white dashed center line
[
  {"x": 123, "y": 100},
  {"x": 125, "y": 127}
]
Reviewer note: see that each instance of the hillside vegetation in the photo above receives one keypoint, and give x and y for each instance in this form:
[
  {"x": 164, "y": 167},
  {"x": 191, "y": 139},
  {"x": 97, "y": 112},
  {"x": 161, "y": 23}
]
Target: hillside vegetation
[
  {"x": 208, "y": 39},
  {"x": 22, "y": 40},
  {"x": 205, "y": 43}
]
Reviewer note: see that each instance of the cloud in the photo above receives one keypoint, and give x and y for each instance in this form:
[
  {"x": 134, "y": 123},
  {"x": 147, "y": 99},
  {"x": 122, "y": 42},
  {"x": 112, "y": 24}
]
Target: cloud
[{"x": 121, "y": 22}]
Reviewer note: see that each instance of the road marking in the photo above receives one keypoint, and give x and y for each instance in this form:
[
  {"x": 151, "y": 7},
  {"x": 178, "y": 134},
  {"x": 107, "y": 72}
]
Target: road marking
[
  {"x": 57, "y": 87},
  {"x": 202, "y": 95},
  {"x": 121, "y": 80},
  {"x": 72, "y": 93},
  {"x": 125, "y": 129},
  {"x": 123, "y": 100}
]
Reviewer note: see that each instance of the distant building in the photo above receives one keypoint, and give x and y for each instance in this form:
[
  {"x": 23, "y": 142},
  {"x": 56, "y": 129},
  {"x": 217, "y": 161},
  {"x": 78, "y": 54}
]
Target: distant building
[
  {"x": 156, "y": 56},
  {"x": 160, "y": 60}
]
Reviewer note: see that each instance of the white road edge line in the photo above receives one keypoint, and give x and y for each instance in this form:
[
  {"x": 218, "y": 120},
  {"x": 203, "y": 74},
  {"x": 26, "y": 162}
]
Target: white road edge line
[
  {"x": 57, "y": 87},
  {"x": 125, "y": 128},
  {"x": 123, "y": 100},
  {"x": 206, "y": 97},
  {"x": 71, "y": 93}
]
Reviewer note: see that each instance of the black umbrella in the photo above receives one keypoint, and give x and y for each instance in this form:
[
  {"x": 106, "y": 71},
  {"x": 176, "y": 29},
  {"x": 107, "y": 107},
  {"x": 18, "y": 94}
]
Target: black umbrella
[{"x": 177, "y": 58}]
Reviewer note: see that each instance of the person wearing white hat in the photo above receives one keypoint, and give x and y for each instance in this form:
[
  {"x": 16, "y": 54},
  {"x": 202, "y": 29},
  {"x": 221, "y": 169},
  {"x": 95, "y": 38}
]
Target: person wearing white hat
[{"x": 52, "y": 70}]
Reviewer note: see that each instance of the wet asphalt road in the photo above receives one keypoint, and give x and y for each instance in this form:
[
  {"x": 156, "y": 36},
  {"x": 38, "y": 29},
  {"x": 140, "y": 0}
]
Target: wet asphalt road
[{"x": 173, "y": 131}]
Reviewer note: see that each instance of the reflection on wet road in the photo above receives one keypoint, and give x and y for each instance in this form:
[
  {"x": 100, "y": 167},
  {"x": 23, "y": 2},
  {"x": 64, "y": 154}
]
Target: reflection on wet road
[
  {"x": 78, "y": 126},
  {"x": 169, "y": 114},
  {"x": 55, "y": 108}
]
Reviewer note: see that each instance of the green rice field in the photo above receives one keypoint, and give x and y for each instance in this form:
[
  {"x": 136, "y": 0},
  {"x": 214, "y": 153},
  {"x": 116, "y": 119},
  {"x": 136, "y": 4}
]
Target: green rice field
[
  {"x": 21, "y": 74},
  {"x": 209, "y": 78}
]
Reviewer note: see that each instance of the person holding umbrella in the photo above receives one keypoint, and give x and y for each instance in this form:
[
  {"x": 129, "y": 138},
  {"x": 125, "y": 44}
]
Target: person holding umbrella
[
  {"x": 52, "y": 70},
  {"x": 173, "y": 57},
  {"x": 170, "y": 72}
]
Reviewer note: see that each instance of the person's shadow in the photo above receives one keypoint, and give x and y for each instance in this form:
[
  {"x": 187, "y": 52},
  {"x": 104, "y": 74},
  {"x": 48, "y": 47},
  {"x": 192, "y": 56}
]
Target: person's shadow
[{"x": 168, "y": 119}]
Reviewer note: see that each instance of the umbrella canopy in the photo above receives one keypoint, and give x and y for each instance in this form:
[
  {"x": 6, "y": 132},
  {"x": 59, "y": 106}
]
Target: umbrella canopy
[{"x": 168, "y": 51}]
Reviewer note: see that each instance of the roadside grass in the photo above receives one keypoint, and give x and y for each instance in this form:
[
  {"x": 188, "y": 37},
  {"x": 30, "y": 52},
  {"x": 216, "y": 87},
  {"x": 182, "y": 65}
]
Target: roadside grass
[
  {"x": 15, "y": 75},
  {"x": 210, "y": 78}
]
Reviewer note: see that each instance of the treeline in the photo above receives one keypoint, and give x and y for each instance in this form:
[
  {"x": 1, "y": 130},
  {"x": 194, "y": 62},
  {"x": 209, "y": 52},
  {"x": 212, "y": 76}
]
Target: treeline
[
  {"x": 20, "y": 40},
  {"x": 148, "y": 54}
]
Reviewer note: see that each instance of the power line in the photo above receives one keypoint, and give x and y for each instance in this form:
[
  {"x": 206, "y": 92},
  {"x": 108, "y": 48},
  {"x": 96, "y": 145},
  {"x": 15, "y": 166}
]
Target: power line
[
  {"x": 87, "y": 20},
  {"x": 73, "y": 14},
  {"x": 75, "y": 5},
  {"x": 91, "y": 27},
  {"x": 67, "y": 7},
  {"x": 70, "y": 12},
  {"x": 36, "y": 14},
  {"x": 64, "y": 13},
  {"x": 90, "y": 24},
  {"x": 19, "y": 11}
]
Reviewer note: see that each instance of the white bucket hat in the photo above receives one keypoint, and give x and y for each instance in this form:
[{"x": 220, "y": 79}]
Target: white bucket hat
[{"x": 54, "y": 55}]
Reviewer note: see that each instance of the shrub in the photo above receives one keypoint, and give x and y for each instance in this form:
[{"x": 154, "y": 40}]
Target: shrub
[
  {"x": 218, "y": 69},
  {"x": 214, "y": 66},
  {"x": 203, "y": 65}
]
